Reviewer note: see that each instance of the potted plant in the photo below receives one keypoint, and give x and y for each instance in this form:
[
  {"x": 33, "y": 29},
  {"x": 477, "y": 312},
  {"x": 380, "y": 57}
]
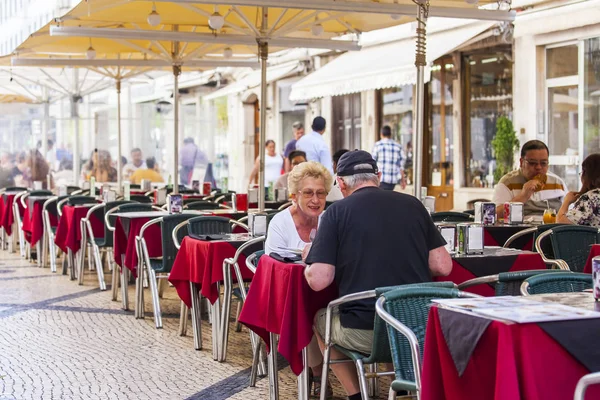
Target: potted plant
[{"x": 504, "y": 145}]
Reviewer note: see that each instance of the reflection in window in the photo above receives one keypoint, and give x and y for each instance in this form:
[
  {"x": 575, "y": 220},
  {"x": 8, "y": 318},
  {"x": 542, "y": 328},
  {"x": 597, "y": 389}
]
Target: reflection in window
[
  {"x": 591, "y": 109},
  {"x": 397, "y": 112},
  {"x": 488, "y": 89}
]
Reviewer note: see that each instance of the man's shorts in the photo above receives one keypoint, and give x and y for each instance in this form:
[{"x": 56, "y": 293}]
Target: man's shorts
[{"x": 353, "y": 339}]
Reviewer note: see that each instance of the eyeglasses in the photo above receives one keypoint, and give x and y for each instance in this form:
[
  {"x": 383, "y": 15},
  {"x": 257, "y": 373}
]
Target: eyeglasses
[
  {"x": 308, "y": 194},
  {"x": 535, "y": 163}
]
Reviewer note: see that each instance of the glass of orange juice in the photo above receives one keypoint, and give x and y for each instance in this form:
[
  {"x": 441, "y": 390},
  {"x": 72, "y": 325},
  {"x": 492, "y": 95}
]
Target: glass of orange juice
[{"x": 549, "y": 216}]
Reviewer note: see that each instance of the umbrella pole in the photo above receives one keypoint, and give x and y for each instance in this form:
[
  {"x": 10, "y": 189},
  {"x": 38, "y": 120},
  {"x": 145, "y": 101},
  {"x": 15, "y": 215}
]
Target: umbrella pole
[
  {"x": 420, "y": 63},
  {"x": 176, "y": 73},
  {"x": 263, "y": 51},
  {"x": 119, "y": 140}
]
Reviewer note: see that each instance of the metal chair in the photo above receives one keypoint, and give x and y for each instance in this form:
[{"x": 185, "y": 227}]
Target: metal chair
[
  {"x": 138, "y": 198},
  {"x": 570, "y": 245},
  {"x": 160, "y": 268},
  {"x": 202, "y": 205},
  {"x": 505, "y": 283},
  {"x": 470, "y": 212},
  {"x": 99, "y": 245},
  {"x": 18, "y": 222},
  {"x": 48, "y": 247},
  {"x": 380, "y": 351},
  {"x": 451, "y": 216},
  {"x": 207, "y": 225},
  {"x": 563, "y": 282},
  {"x": 72, "y": 189},
  {"x": 284, "y": 206},
  {"x": 535, "y": 232},
  {"x": 404, "y": 310},
  {"x": 253, "y": 259},
  {"x": 79, "y": 200},
  {"x": 585, "y": 382},
  {"x": 26, "y": 204}
]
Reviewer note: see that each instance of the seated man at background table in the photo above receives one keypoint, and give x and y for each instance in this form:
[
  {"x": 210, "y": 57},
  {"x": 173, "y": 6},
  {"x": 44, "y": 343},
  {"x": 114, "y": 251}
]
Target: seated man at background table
[
  {"x": 372, "y": 238},
  {"x": 149, "y": 173},
  {"x": 296, "y": 157},
  {"x": 531, "y": 184}
]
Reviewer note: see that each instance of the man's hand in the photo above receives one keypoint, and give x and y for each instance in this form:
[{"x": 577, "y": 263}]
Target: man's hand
[
  {"x": 403, "y": 183},
  {"x": 529, "y": 188}
]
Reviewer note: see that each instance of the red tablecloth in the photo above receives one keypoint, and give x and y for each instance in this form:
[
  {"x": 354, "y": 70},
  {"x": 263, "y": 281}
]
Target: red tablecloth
[
  {"x": 201, "y": 262},
  {"x": 522, "y": 262},
  {"x": 7, "y": 212},
  {"x": 33, "y": 223},
  {"x": 594, "y": 251},
  {"x": 497, "y": 235},
  {"x": 280, "y": 301},
  {"x": 510, "y": 362},
  {"x": 68, "y": 232},
  {"x": 124, "y": 243}
]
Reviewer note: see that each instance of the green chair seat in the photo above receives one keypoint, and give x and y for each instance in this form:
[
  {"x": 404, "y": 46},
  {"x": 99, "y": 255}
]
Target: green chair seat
[{"x": 157, "y": 265}]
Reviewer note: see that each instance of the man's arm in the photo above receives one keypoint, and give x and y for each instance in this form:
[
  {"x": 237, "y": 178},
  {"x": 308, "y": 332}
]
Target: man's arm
[
  {"x": 325, "y": 158},
  {"x": 440, "y": 262},
  {"x": 319, "y": 275}
]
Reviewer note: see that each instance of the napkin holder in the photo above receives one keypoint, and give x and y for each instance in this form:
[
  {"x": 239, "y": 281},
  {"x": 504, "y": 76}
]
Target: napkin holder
[
  {"x": 38, "y": 185},
  {"x": 513, "y": 213},
  {"x": 160, "y": 196},
  {"x": 62, "y": 190},
  {"x": 448, "y": 232},
  {"x": 126, "y": 191},
  {"x": 429, "y": 203},
  {"x": 470, "y": 238},
  {"x": 485, "y": 213},
  {"x": 109, "y": 195},
  {"x": 257, "y": 223},
  {"x": 175, "y": 203},
  {"x": 146, "y": 185},
  {"x": 281, "y": 195},
  {"x": 252, "y": 196}
]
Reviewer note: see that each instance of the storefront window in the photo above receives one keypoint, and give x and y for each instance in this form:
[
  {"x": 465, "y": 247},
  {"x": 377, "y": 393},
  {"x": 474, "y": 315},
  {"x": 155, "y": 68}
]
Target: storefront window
[
  {"x": 591, "y": 105},
  {"x": 397, "y": 112},
  {"x": 559, "y": 61},
  {"x": 488, "y": 95}
]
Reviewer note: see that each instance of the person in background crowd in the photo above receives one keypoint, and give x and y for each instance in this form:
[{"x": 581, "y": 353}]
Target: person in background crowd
[
  {"x": 388, "y": 155},
  {"x": 189, "y": 157},
  {"x": 100, "y": 167},
  {"x": 336, "y": 194},
  {"x": 532, "y": 184},
  {"x": 7, "y": 161},
  {"x": 64, "y": 176},
  {"x": 308, "y": 184},
  {"x": 273, "y": 165},
  {"x": 298, "y": 130},
  {"x": 296, "y": 157},
  {"x": 20, "y": 171},
  {"x": 39, "y": 169},
  {"x": 148, "y": 173},
  {"x": 137, "y": 162},
  {"x": 314, "y": 145},
  {"x": 353, "y": 248},
  {"x": 586, "y": 210}
]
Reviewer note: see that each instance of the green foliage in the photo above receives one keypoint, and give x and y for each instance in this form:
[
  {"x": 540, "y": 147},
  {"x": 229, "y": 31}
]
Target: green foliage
[{"x": 504, "y": 144}]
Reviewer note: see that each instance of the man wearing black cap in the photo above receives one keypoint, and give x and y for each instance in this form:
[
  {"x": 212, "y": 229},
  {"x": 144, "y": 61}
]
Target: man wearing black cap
[
  {"x": 372, "y": 238},
  {"x": 314, "y": 146}
]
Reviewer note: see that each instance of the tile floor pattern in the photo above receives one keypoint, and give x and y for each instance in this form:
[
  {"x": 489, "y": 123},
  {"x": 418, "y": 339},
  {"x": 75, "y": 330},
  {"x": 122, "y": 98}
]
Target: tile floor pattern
[{"x": 59, "y": 340}]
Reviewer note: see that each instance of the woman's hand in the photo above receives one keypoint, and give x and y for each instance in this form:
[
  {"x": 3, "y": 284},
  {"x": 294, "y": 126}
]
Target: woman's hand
[{"x": 571, "y": 198}]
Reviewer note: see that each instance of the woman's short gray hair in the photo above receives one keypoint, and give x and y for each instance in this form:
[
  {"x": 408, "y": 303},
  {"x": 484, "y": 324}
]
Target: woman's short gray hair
[
  {"x": 309, "y": 169},
  {"x": 353, "y": 181}
]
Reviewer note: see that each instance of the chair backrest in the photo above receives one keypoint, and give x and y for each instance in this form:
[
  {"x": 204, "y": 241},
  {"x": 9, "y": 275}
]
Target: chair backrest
[
  {"x": 410, "y": 305},
  {"x": 560, "y": 282},
  {"x": 71, "y": 189},
  {"x": 140, "y": 198},
  {"x": 585, "y": 382},
  {"x": 509, "y": 283},
  {"x": 451, "y": 216},
  {"x": 209, "y": 225},
  {"x": 51, "y": 205},
  {"x": 380, "y": 351},
  {"x": 169, "y": 251},
  {"x": 470, "y": 212},
  {"x": 572, "y": 243},
  {"x": 34, "y": 193},
  {"x": 135, "y": 186},
  {"x": 15, "y": 189},
  {"x": 76, "y": 200},
  {"x": 108, "y": 235},
  {"x": 546, "y": 245},
  {"x": 201, "y": 205}
]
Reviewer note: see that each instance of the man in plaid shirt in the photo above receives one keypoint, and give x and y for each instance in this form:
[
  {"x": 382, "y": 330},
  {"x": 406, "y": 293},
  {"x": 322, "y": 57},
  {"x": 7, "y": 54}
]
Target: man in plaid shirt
[{"x": 388, "y": 155}]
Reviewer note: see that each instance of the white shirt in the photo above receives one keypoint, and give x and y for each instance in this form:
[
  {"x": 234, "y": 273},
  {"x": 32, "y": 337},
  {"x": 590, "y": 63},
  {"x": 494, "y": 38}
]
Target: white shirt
[
  {"x": 130, "y": 168},
  {"x": 282, "y": 234},
  {"x": 335, "y": 194},
  {"x": 273, "y": 166},
  {"x": 316, "y": 149}
]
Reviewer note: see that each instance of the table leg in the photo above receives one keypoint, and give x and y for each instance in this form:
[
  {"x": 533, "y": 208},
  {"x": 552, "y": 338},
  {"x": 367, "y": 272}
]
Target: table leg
[
  {"x": 183, "y": 319},
  {"x": 71, "y": 263},
  {"x": 124, "y": 284},
  {"x": 3, "y": 238},
  {"x": 45, "y": 249},
  {"x": 216, "y": 325},
  {"x": 273, "y": 370},
  {"x": 38, "y": 249},
  {"x": 303, "y": 389},
  {"x": 226, "y": 311},
  {"x": 81, "y": 258},
  {"x": 196, "y": 316}
]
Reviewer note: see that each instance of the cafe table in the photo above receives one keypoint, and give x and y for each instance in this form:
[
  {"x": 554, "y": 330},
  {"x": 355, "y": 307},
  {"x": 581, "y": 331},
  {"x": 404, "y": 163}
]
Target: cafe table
[
  {"x": 280, "y": 302},
  {"x": 494, "y": 260},
  {"x": 33, "y": 223},
  {"x": 7, "y": 217},
  {"x": 498, "y": 234},
  {"x": 198, "y": 269},
  {"x": 68, "y": 235},
  {"x": 467, "y": 356},
  {"x": 127, "y": 254}
]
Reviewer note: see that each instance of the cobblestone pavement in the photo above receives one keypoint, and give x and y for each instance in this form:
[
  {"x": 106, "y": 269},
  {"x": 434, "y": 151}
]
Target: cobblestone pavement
[{"x": 59, "y": 340}]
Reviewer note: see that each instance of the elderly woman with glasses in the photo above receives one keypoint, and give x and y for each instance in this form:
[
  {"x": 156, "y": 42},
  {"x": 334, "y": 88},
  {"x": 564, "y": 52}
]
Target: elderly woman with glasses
[
  {"x": 586, "y": 207},
  {"x": 295, "y": 227}
]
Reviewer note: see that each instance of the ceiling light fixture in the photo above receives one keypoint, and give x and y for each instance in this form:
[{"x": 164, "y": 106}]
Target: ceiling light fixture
[
  {"x": 227, "y": 52},
  {"x": 216, "y": 20},
  {"x": 91, "y": 52},
  {"x": 154, "y": 17},
  {"x": 317, "y": 29}
]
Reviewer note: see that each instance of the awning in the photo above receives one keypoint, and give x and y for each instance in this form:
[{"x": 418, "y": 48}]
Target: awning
[
  {"x": 252, "y": 80},
  {"x": 382, "y": 66}
]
